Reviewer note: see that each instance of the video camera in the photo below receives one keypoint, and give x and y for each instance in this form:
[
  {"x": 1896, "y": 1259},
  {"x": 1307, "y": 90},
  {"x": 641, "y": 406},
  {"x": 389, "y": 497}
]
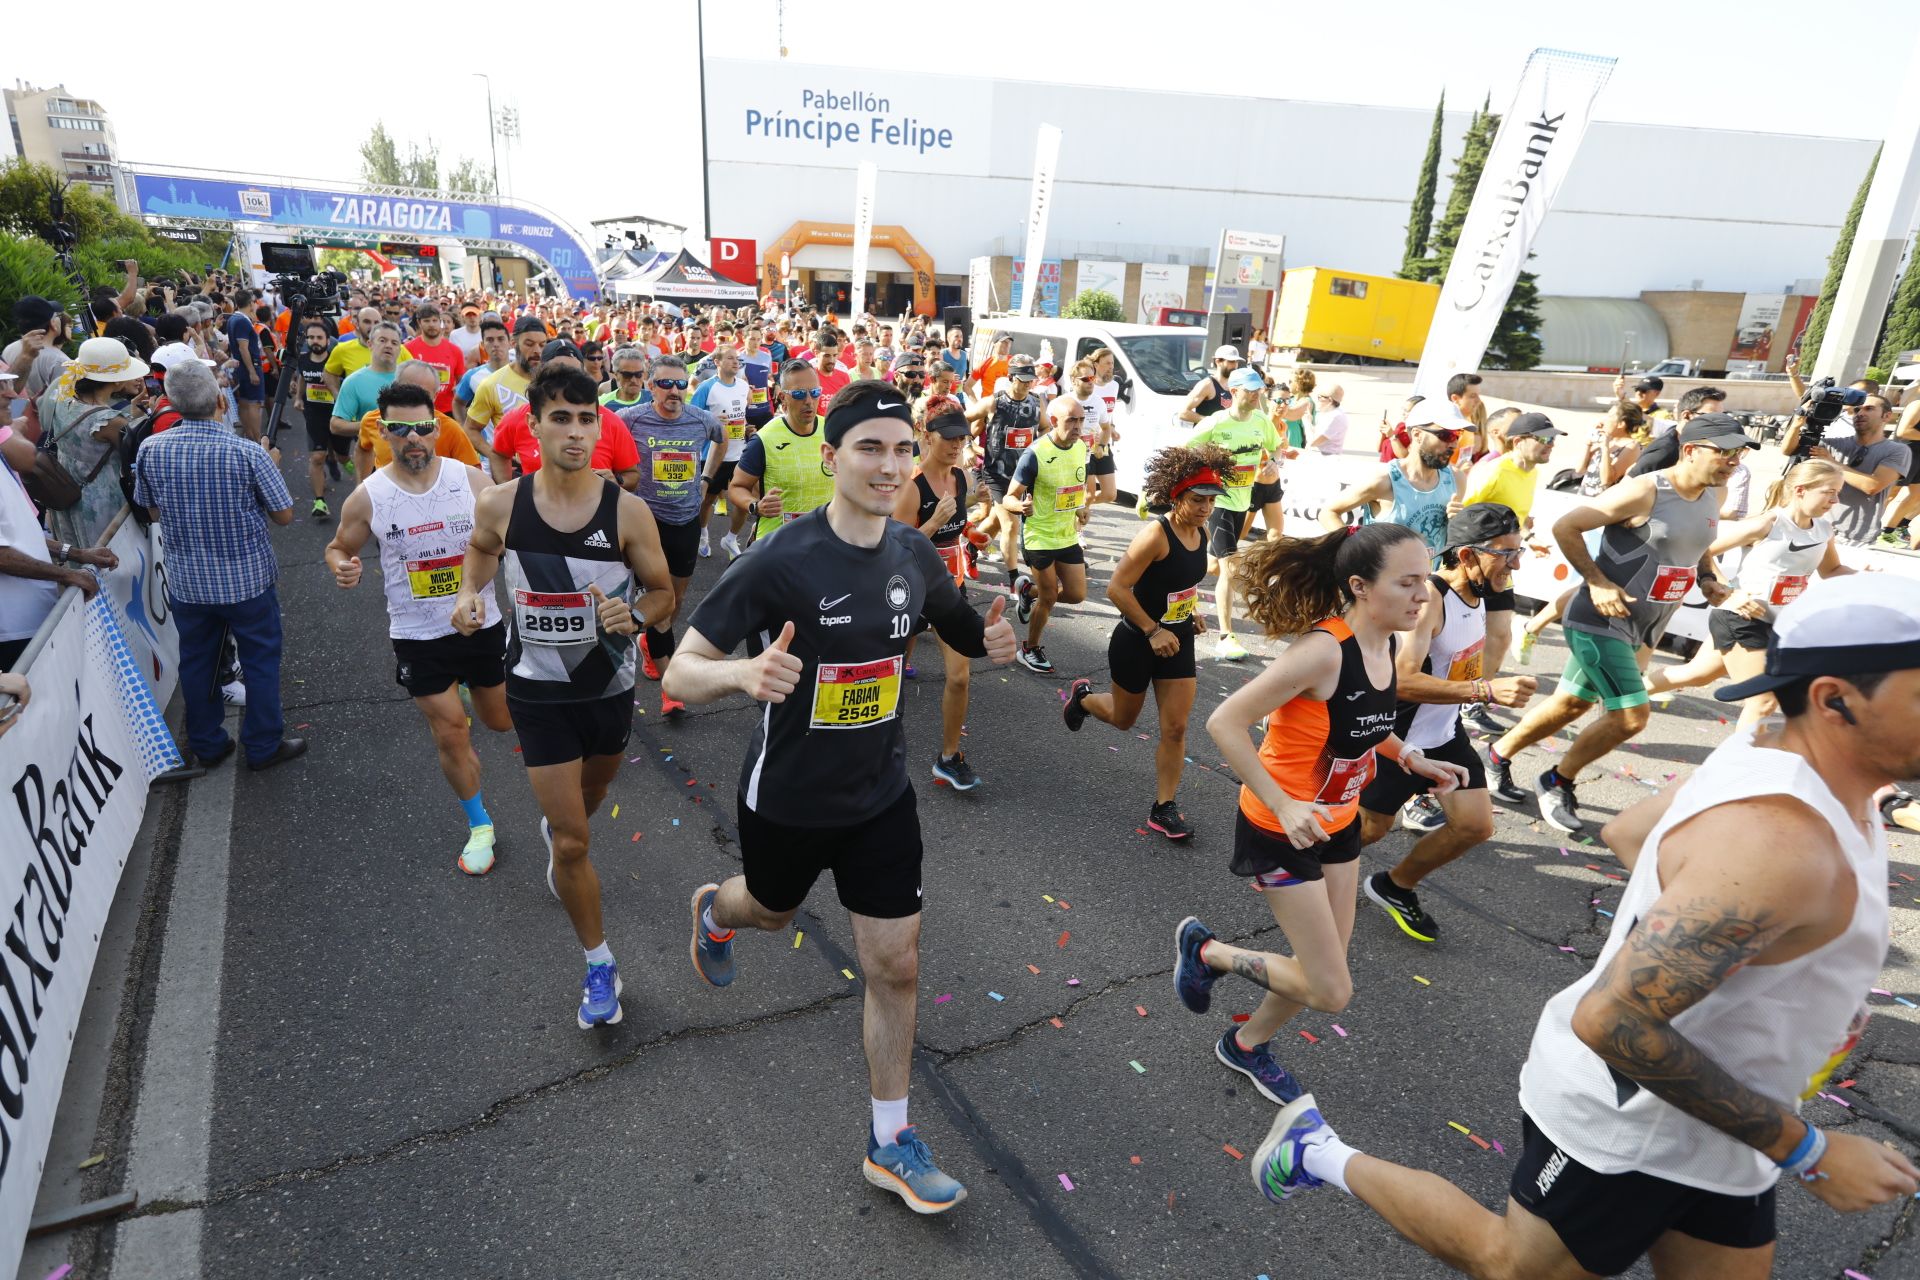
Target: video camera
[
  {"x": 1822, "y": 405},
  {"x": 296, "y": 278}
]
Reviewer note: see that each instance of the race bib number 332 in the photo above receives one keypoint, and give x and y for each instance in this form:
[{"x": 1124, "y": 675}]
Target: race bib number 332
[{"x": 854, "y": 695}]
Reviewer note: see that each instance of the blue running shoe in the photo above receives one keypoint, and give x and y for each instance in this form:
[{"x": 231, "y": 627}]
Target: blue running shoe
[
  {"x": 712, "y": 957},
  {"x": 1192, "y": 980},
  {"x": 1274, "y": 1081},
  {"x": 1278, "y": 1166},
  {"x": 600, "y": 997},
  {"x": 905, "y": 1167}
]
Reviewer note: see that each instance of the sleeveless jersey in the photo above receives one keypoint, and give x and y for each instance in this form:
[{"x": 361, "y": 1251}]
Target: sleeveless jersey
[
  {"x": 1322, "y": 752},
  {"x": 556, "y": 651},
  {"x": 1655, "y": 563},
  {"x": 1423, "y": 511},
  {"x": 795, "y": 469},
  {"x": 1057, "y": 479},
  {"x": 1456, "y": 653},
  {"x": 1779, "y": 1029},
  {"x": 946, "y": 539},
  {"x": 1169, "y": 588},
  {"x": 1013, "y": 426},
  {"x": 423, "y": 546},
  {"x": 1219, "y": 401},
  {"x": 1779, "y": 566}
]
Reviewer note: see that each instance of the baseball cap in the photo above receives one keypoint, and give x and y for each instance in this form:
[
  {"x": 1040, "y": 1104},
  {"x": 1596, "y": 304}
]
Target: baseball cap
[
  {"x": 1650, "y": 383},
  {"x": 172, "y": 355},
  {"x": 559, "y": 347},
  {"x": 1246, "y": 380},
  {"x": 529, "y": 324},
  {"x": 1848, "y": 626},
  {"x": 1532, "y": 424},
  {"x": 1722, "y": 430},
  {"x": 1228, "y": 352},
  {"x": 1477, "y": 522},
  {"x": 34, "y": 312}
]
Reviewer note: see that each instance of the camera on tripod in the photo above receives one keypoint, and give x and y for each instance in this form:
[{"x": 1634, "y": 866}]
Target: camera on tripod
[
  {"x": 296, "y": 279},
  {"x": 1822, "y": 405}
]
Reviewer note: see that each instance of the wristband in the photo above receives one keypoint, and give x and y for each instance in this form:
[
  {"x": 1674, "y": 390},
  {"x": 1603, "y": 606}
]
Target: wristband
[{"x": 1801, "y": 1161}]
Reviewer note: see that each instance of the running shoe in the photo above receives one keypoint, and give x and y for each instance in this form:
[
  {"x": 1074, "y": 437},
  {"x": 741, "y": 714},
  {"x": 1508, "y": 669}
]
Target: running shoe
[
  {"x": 1023, "y": 598},
  {"x": 234, "y": 693},
  {"x": 1480, "y": 720},
  {"x": 706, "y": 547},
  {"x": 1192, "y": 979},
  {"x": 1500, "y": 783},
  {"x": 333, "y": 464},
  {"x": 477, "y": 858},
  {"x": 905, "y": 1167},
  {"x": 730, "y": 543},
  {"x": 1034, "y": 659},
  {"x": 600, "y": 997},
  {"x": 672, "y": 708},
  {"x": 1229, "y": 648},
  {"x": 1275, "y": 1083},
  {"x": 712, "y": 956},
  {"x": 1423, "y": 813},
  {"x": 1169, "y": 821},
  {"x": 1278, "y": 1165},
  {"x": 1075, "y": 714},
  {"x": 1893, "y": 538},
  {"x": 648, "y": 667},
  {"x": 1403, "y": 905},
  {"x": 320, "y": 510},
  {"x": 1525, "y": 652},
  {"x": 955, "y": 771},
  {"x": 546, "y": 836},
  {"x": 1558, "y": 805},
  {"x": 973, "y": 562}
]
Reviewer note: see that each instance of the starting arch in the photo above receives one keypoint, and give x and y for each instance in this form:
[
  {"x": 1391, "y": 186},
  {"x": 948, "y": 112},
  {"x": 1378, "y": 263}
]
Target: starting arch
[{"x": 841, "y": 233}]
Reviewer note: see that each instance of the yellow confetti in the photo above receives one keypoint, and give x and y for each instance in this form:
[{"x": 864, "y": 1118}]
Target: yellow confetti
[
  {"x": 1455, "y": 1124},
  {"x": 1422, "y": 981},
  {"x": 848, "y": 973},
  {"x": 616, "y": 811},
  {"x": 91, "y": 1161},
  {"x": 797, "y": 936},
  {"x": 1046, "y": 897}
]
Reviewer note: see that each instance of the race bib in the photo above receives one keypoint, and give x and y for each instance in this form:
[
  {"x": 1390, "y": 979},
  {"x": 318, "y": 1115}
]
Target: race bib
[
  {"x": 955, "y": 558},
  {"x": 431, "y": 579},
  {"x": 673, "y": 466},
  {"x": 1467, "y": 662},
  {"x": 1671, "y": 584},
  {"x": 855, "y": 695},
  {"x": 1787, "y": 588},
  {"x": 553, "y": 617},
  {"x": 736, "y": 428},
  {"x": 1239, "y": 477},
  {"x": 1070, "y": 497},
  {"x": 1019, "y": 437},
  {"x": 1180, "y": 605},
  {"x": 757, "y": 395},
  {"x": 1346, "y": 779}
]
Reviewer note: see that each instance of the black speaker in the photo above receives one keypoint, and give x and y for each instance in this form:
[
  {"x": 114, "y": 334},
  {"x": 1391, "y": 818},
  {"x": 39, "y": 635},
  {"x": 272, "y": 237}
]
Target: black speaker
[
  {"x": 961, "y": 316},
  {"x": 1229, "y": 327}
]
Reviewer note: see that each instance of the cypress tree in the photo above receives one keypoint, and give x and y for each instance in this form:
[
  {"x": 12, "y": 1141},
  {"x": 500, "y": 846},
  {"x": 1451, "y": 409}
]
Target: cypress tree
[
  {"x": 1836, "y": 267},
  {"x": 1901, "y": 332},
  {"x": 1420, "y": 221}
]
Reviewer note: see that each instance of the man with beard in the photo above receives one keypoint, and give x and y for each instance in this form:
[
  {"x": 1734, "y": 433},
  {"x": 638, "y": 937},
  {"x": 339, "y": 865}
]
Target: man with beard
[{"x": 1420, "y": 490}]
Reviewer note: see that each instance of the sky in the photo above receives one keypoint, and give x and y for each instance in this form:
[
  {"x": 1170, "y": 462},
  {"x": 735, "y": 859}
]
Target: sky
[{"x": 1683, "y": 64}]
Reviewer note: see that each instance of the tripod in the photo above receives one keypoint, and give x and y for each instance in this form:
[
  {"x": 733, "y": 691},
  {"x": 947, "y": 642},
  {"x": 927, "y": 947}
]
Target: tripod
[{"x": 289, "y": 370}]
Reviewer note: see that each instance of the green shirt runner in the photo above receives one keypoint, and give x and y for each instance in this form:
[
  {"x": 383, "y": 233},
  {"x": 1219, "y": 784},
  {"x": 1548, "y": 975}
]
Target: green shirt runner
[{"x": 1246, "y": 439}]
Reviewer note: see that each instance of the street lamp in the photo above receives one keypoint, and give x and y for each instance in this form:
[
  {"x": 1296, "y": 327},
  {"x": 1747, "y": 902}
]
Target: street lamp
[{"x": 494, "y": 145}]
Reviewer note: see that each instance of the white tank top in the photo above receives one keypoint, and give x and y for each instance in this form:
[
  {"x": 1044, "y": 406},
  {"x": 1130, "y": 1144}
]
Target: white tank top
[
  {"x": 1779, "y": 1029},
  {"x": 423, "y": 545},
  {"x": 1456, "y": 653},
  {"x": 1778, "y": 567}
]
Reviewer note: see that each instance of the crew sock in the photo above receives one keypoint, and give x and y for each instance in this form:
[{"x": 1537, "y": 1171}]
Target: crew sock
[
  {"x": 889, "y": 1118},
  {"x": 476, "y": 807}
]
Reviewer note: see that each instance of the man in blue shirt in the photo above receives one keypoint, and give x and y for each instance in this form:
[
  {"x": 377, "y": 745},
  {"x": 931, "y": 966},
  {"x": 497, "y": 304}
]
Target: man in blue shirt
[
  {"x": 250, "y": 378},
  {"x": 213, "y": 494}
]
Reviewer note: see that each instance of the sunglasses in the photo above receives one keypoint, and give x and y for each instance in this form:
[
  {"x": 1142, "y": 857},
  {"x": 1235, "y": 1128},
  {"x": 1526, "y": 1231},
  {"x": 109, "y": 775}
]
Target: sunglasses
[
  {"x": 812, "y": 393},
  {"x": 1445, "y": 435},
  {"x": 421, "y": 429},
  {"x": 670, "y": 384},
  {"x": 1511, "y": 557},
  {"x": 629, "y": 373}
]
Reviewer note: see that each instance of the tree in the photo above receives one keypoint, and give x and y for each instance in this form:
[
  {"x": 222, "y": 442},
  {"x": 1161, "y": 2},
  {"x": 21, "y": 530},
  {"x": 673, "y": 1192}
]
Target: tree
[
  {"x": 469, "y": 176},
  {"x": 1836, "y": 267},
  {"x": 382, "y": 164},
  {"x": 1516, "y": 337},
  {"x": 1901, "y": 332},
  {"x": 1095, "y": 304},
  {"x": 1420, "y": 221}
]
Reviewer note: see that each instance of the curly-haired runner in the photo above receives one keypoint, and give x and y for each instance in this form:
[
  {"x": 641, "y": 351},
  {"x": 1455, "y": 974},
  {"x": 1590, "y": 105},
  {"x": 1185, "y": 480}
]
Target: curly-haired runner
[{"x": 1156, "y": 587}]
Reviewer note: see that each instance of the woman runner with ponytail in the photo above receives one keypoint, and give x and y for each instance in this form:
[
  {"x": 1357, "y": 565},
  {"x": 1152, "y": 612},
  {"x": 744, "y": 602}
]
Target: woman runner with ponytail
[{"x": 1329, "y": 706}]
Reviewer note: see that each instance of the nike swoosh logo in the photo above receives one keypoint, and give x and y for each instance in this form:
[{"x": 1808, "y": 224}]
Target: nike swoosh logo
[
  {"x": 826, "y": 604},
  {"x": 1795, "y": 546},
  {"x": 893, "y": 405}
]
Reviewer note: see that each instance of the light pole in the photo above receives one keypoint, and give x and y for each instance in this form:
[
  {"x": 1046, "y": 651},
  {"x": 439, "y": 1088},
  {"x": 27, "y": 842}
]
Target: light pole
[{"x": 494, "y": 145}]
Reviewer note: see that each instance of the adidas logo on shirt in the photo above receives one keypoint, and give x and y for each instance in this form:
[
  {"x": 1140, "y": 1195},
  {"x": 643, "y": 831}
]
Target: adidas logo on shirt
[{"x": 598, "y": 538}]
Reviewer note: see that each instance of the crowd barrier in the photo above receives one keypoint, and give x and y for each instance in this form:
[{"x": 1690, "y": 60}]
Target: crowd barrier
[{"x": 75, "y": 768}]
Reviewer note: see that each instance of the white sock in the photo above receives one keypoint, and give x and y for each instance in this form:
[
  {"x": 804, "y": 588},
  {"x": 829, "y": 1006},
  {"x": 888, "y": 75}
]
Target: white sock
[
  {"x": 889, "y": 1118},
  {"x": 706, "y": 921},
  {"x": 600, "y": 955},
  {"x": 1326, "y": 1157}
]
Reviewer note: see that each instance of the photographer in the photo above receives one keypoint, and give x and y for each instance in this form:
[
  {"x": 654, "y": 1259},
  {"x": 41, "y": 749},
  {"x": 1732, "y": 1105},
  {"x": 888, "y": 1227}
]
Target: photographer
[{"x": 1874, "y": 464}]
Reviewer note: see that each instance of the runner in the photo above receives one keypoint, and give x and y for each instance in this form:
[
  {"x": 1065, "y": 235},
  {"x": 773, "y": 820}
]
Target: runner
[
  {"x": 937, "y": 506},
  {"x": 1437, "y": 670},
  {"x": 420, "y": 508},
  {"x": 1660, "y": 1098},
  {"x": 728, "y": 397},
  {"x": 506, "y": 387},
  {"x": 572, "y": 543},
  {"x": 1328, "y": 701},
  {"x": 370, "y": 447},
  {"x": 1103, "y": 473},
  {"x": 515, "y": 443},
  {"x": 431, "y": 344},
  {"x": 1652, "y": 547},
  {"x": 670, "y": 436},
  {"x": 1007, "y": 422},
  {"x": 1249, "y": 436},
  {"x": 496, "y": 348},
  {"x": 1211, "y": 394},
  {"x": 1156, "y": 588},
  {"x": 325, "y": 450},
  {"x": 1509, "y": 479},
  {"x": 1789, "y": 544},
  {"x": 1049, "y": 488},
  {"x": 1421, "y": 490},
  {"x": 781, "y": 474},
  {"x": 829, "y": 604},
  {"x": 629, "y": 380}
]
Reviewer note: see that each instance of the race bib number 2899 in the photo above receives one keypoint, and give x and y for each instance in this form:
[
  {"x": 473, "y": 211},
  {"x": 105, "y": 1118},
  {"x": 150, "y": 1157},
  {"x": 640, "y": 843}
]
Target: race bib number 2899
[{"x": 553, "y": 617}]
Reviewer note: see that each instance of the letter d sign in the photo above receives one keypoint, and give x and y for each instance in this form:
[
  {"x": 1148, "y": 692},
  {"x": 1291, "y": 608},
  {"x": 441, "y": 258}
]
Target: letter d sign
[{"x": 736, "y": 259}]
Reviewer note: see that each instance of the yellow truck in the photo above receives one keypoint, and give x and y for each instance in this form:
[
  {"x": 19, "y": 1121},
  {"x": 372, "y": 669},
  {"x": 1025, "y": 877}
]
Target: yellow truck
[{"x": 1329, "y": 316}]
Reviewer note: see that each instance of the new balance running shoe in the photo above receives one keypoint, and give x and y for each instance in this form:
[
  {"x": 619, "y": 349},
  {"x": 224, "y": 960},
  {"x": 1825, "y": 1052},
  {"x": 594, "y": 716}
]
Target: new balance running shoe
[
  {"x": 1192, "y": 979},
  {"x": 1274, "y": 1081},
  {"x": 1279, "y": 1164},
  {"x": 600, "y": 997},
  {"x": 1034, "y": 659},
  {"x": 712, "y": 953},
  {"x": 1403, "y": 905},
  {"x": 477, "y": 858},
  {"x": 905, "y": 1167}
]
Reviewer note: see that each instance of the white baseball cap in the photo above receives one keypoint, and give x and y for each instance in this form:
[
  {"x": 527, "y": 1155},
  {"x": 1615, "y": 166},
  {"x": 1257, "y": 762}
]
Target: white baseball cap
[
  {"x": 174, "y": 354},
  {"x": 1228, "y": 352},
  {"x": 1852, "y": 625}
]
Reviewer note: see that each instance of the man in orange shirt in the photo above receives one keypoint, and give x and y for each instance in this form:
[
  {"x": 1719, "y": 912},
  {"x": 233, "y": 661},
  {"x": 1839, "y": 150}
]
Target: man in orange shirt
[{"x": 371, "y": 451}]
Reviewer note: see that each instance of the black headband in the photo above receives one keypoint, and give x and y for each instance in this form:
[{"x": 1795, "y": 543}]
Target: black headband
[{"x": 843, "y": 417}]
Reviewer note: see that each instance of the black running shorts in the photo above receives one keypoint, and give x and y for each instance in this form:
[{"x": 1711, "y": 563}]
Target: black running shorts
[
  {"x": 1133, "y": 665},
  {"x": 681, "y": 543},
  {"x": 1038, "y": 560},
  {"x": 722, "y": 480},
  {"x": 560, "y": 732},
  {"x": 320, "y": 430},
  {"x": 1264, "y": 492},
  {"x": 1393, "y": 786},
  {"x": 875, "y": 865},
  {"x": 1608, "y": 1221},
  {"x": 1107, "y": 467},
  {"x": 1725, "y": 629},
  {"x": 1260, "y": 852},
  {"x": 426, "y": 667},
  {"x": 1223, "y": 532}
]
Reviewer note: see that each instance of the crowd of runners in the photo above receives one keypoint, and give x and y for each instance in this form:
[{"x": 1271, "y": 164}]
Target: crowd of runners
[{"x": 876, "y": 481}]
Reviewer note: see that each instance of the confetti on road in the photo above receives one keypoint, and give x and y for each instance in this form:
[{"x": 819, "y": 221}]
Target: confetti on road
[
  {"x": 1483, "y": 1144},
  {"x": 942, "y": 999},
  {"x": 798, "y": 935},
  {"x": 1064, "y": 905},
  {"x": 1564, "y": 853},
  {"x": 848, "y": 974},
  {"x": 1339, "y": 1031},
  {"x": 1877, "y": 991},
  {"x": 1073, "y": 982},
  {"x": 1241, "y": 1017},
  {"x": 1603, "y": 911},
  {"x": 615, "y": 813},
  {"x": 1848, "y": 1272},
  {"x": 65, "y": 1269},
  {"x": 995, "y": 995},
  {"x": 1844, "y": 1084},
  {"x": 1455, "y": 1124},
  {"x": 1046, "y": 897},
  {"x": 1034, "y": 970},
  {"x": 1056, "y": 1022},
  {"x": 1903, "y": 1000},
  {"x": 636, "y": 838},
  {"x": 1140, "y": 1009},
  {"x": 93, "y": 1160},
  {"x": 1066, "y": 1182},
  {"x": 1113, "y": 749},
  {"x": 1133, "y": 1159},
  {"x": 1497, "y": 1147},
  {"x": 1309, "y": 1037},
  {"x": 1422, "y": 981},
  {"x": 1568, "y": 949},
  {"x": 1233, "y": 1151},
  {"x": 1842, "y": 1101},
  {"x": 1136, "y": 1066},
  {"x": 1063, "y": 939}
]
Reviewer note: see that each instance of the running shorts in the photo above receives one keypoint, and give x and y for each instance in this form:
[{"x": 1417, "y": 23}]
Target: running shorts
[
  {"x": 1393, "y": 786},
  {"x": 1608, "y": 1221},
  {"x": 1106, "y": 466},
  {"x": 722, "y": 479},
  {"x": 681, "y": 543},
  {"x": 320, "y": 430},
  {"x": 1602, "y": 669},
  {"x": 875, "y": 864},
  {"x": 254, "y": 392},
  {"x": 1498, "y": 600},
  {"x": 1266, "y": 856},
  {"x": 1726, "y": 629},
  {"x": 561, "y": 732},
  {"x": 1133, "y": 665},
  {"x": 1038, "y": 560},
  {"x": 1223, "y": 532},
  {"x": 426, "y": 667},
  {"x": 996, "y": 486},
  {"x": 1264, "y": 491}
]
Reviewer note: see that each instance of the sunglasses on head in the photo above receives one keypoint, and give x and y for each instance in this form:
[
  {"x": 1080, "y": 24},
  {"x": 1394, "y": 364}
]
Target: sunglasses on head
[
  {"x": 670, "y": 384},
  {"x": 421, "y": 429}
]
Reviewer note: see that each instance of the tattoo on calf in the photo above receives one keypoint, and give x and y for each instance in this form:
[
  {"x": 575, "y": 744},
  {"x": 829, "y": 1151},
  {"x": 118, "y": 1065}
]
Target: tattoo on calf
[{"x": 1251, "y": 967}]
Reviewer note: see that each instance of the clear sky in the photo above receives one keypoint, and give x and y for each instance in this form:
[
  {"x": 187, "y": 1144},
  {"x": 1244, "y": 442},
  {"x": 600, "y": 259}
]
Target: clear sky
[{"x": 610, "y": 112}]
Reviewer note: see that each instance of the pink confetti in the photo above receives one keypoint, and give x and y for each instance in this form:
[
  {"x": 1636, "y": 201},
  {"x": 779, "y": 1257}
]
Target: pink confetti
[
  {"x": 61, "y": 1272},
  {"x": 1497, "y": 1147},
  {"x": 1339, "y": 1031},
  {"x": 942, "y": 999},
  {"x": 1066, "y": 1182},
  {"x": 1113, "y": 748},
  {"x": 1842, "y": 1101},
  {"x": 1567, "y": 949},
  {"x": 1848, "y": 1272},
  {"x": 1877, "y": 991},
  {"x": 1564, "y": 853}
]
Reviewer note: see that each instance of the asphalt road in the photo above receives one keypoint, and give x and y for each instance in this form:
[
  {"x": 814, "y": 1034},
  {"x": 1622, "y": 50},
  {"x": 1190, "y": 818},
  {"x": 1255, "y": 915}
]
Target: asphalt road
[{"x": 397, "y": 1085}]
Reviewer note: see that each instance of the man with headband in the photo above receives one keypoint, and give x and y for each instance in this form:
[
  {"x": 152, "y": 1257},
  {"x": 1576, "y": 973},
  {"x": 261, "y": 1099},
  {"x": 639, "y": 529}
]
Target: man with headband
[{"x": 826, "y": 609}]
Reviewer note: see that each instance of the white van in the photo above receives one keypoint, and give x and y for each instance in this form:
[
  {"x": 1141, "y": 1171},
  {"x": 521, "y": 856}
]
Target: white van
[{"x": 1155, "y": 366}]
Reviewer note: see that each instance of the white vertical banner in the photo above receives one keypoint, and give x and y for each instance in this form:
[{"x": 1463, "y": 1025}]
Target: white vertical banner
[
  {"x": 862, "y": 238},
  {"x": 1530, "y": 156},
  {"x": 1046, "y": 158}
]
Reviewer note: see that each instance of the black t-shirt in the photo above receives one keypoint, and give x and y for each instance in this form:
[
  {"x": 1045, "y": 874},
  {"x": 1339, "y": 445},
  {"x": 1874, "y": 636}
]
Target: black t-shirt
[
  {"x": 1661, "y": 452},
  {"x": 834, "y": 754},
  {"x": 315, "y": 398}
]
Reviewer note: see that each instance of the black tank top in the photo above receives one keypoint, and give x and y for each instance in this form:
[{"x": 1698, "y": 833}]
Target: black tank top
[
  {"x": 1169, "y": 588},
  {"x": 1222, "y": 399},
  {"x": 556, "y": 651},
  {"x": 949, "y": 533}
]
